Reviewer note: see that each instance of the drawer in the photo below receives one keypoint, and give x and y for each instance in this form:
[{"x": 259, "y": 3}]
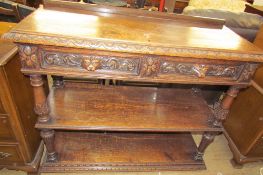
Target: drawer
[
  {"x": 6, "y": 133},
  {"x": 112, "y": 65},
  {"x": 9, "y": 154},
  {"x": 92, "y": 63},
  {"x": 138, "y": 66}
]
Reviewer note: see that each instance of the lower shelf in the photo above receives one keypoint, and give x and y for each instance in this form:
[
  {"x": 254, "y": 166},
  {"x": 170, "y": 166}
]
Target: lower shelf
[{"x": 85, "y": 151}]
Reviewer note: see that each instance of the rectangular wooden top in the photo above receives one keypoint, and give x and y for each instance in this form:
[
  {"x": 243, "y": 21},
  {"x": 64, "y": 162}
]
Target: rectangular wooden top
[{"x": 114, "y": 30}]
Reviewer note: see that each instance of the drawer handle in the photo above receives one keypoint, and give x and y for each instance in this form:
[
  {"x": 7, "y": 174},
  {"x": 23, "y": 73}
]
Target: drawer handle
[{"x": 4, "y": 155}]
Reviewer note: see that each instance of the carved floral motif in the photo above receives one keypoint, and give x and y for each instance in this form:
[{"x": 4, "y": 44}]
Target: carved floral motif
[
  {"x": 201, "y": 70},
  {"x": 90, "y": 62},
  {"x": 150, "y": 67},
  {"x": 28, "y": 56}
]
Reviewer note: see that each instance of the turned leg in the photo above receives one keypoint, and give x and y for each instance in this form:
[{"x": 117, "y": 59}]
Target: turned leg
[
  {"x": 207, "y": 139},
  {"x": 42, "y": 110},
  {"x": 236, "y": 164},
  {"x": 221, "y": 109},
  {"x": 48, "y": 137},
  {"x": 41, "y": 106},
  {"x": 58, "y": 81}
]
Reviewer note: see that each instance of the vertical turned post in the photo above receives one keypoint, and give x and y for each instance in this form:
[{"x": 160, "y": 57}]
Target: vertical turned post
[
  {"x": 48, "y": 137},
  {"x": 221, "y": 109},
  {"x": 207, "y": 139},
  {"x": 41, "y": 106},
  {"x": 58, "y": 81}
]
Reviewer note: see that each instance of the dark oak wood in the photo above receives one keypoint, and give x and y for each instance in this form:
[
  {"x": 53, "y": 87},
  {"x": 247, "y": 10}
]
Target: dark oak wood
[
  {"x": 97, "y": 107},
  {"x": 79, "y": 151},
  {"x": 20, "y": 146},
  {"x": 86, "y": 41},
  {"x": 134, "y": 67}
]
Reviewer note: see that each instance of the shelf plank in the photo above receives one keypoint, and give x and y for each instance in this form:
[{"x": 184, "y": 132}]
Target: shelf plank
[
  {"x": 85, "y": 151},
  {"x": 127, "y": 108}
]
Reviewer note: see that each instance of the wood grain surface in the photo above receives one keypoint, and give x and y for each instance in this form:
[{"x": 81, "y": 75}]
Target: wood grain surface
[
  {"x": 123, "y": 152},
  {"x": 137, "y": 34},
  {"x": 128, "y": 109}
]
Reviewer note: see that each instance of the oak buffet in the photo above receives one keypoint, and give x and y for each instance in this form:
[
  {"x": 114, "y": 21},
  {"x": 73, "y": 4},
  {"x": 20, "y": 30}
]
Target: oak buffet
[{"x": 122, "y": 128}]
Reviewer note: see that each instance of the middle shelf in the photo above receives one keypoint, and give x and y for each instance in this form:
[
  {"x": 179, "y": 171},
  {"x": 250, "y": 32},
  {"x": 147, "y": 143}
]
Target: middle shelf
[{"x": 128, "y": 108}]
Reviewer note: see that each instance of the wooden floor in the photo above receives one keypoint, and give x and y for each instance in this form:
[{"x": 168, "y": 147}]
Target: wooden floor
[{"x": 216, "y": 158}]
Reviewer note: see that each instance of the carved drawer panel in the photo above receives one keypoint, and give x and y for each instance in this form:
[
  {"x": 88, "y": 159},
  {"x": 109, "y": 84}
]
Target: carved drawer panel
[
  {"x": 200, "y": 70},
  {"x": 9, "y": 154},
  {"x": 112, "y": 65},
  {"x": 83, "y": 62},
  {"x": 6, "y": 133}
]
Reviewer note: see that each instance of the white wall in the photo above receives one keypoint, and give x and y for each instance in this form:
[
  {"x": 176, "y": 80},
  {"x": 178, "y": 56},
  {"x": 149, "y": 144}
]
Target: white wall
[{"x": 258, "y": 2}]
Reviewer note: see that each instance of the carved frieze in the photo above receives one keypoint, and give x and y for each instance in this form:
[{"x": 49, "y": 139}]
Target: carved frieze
[
  {"x": 28, "y": 56},
  {"x": 89, "y": 62},
  {"x": 201, "y": 70}
]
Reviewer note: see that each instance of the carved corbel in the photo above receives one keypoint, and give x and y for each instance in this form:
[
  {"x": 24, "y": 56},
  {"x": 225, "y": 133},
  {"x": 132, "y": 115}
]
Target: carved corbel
[
  {"x": 221, "y": 108},
  {"x": 28, "y": 56}
]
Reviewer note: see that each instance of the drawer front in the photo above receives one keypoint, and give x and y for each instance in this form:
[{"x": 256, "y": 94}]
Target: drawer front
[
  {"x": 125, "y": 66},
  {"x": 9, "y": 154},
  {"x": 6, "y": 133},
  {"x": 139, "y": 66},
  {"x": 90, "y": 63}
]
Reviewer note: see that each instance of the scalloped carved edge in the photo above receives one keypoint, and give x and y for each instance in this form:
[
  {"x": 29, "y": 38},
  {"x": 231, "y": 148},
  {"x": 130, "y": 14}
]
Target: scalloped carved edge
[{"x": 122, "y": 46}]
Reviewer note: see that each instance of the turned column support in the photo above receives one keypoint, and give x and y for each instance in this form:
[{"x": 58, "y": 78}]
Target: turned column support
[
  {"x": 221, "y": 108},
  {"x": 41, "y": 107},
  {"x": 58, "y": 81},
  {"x": 207, "y": 139},
  {"x": 48, "y": 137}
]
